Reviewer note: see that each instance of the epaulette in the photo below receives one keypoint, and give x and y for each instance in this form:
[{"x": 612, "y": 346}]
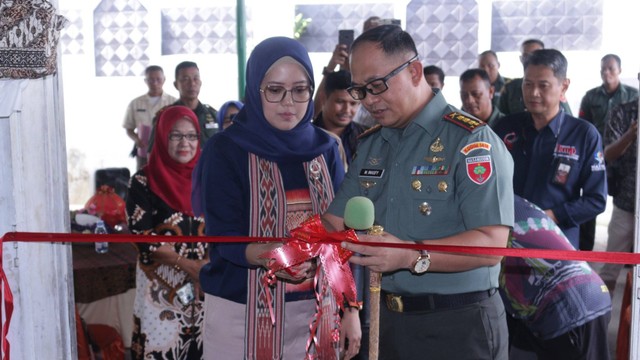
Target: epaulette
[
  {"x": 369, "y": 131},
  {"x": 211, "y": 110},
  {"x": 156, "y": 116},
  {"x": 463, "y": 121}
]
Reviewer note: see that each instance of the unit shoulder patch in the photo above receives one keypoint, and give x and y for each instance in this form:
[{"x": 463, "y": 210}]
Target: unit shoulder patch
[
  {"x": 370, "y": 131},
  {"x": 464, "y": 121}
]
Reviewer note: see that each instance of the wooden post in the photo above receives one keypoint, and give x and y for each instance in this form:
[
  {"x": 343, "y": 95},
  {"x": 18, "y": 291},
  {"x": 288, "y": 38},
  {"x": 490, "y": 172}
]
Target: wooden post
[{"x": 374, "y": 313}]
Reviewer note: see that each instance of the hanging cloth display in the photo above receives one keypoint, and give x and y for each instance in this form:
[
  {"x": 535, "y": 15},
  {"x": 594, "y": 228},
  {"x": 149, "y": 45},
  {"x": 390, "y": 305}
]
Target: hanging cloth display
[{"x": 29, "y": 34}]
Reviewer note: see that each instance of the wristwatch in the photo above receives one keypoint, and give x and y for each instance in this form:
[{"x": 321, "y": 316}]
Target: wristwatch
[{"x": 421, "y": 264}]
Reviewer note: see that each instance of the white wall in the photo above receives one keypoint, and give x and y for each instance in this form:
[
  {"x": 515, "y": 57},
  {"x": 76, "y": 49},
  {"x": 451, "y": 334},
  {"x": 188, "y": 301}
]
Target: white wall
[{"x": 95, "y": 106}]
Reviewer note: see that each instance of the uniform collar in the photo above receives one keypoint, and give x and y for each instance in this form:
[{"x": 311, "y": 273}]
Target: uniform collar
[
  {"x": 555, "y": 125},
  {"x": 428, "y": 118},
  {"x": 620, "y": 90}
]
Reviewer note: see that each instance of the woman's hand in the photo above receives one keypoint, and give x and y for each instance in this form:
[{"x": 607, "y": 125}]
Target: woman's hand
[
  {"x": 298, "y": 273},
  {"x": 191, "y": 267},
  {"x": 352, "y": 332}
]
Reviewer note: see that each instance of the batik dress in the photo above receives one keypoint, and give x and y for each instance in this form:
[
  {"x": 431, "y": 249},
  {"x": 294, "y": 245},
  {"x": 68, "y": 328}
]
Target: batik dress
[{"x": 164, "y": 328}]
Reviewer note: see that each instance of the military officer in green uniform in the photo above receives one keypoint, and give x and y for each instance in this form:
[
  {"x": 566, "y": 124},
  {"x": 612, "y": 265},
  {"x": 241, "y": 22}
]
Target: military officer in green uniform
[
  {"x": 594, "y": 108},
  {"x": 488, "y": 61},
  {"x": 597, "y": 102},
  {"x": 188, "y": 84},
  {"x": 436, "y": 176},
  {"x": 477, "y": 94},
  {"x": 511, "y": 100}
]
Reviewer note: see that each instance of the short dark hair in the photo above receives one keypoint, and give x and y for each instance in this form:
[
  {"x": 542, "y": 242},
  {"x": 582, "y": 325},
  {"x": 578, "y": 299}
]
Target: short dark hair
[
  {"x": 614, "y": 57},
  {"x": 468, "y": 75},
  {"x": 489, "y": 52},
  {"x": 339, "y": 80},
  {"x": 391, "y": 39},
  {"x": 152, "y": 68},
  {"x": 185, "y": 65},
  {"x": 432, "y": 69},
  {"x": 551, "y": 58},
  {"x": 533, "y": 41}
]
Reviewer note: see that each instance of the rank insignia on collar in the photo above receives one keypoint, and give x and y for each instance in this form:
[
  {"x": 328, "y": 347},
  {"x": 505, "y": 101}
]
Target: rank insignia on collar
[
  {"x": 436, "y": 146},
  {"x": 463, "y": 121},
  {"x": 370, "y": 131}
]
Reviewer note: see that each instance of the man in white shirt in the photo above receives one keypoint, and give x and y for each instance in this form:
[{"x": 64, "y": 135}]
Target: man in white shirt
[{"x": 141, "y": 110}]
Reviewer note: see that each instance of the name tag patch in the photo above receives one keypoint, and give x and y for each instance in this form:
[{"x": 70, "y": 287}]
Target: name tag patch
[{"x": 375, "y": 173}]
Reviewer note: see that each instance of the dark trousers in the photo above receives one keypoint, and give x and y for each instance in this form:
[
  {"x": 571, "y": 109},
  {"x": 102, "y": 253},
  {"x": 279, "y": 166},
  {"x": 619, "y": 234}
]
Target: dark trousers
[
  {"x": 588, "y": 235},
  {"x": 585, "y": 342},
  {"x": 475, "y": 332}
]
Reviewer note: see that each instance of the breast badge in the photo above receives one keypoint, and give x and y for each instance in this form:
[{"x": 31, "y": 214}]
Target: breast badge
[
  {"x": 434, "y": 159},
  {"x": 436, "y": 146},
  {"x": 442, "y": 186},
  {"x": 416, "y": 185},
  {"x": 425, "y": 208}
]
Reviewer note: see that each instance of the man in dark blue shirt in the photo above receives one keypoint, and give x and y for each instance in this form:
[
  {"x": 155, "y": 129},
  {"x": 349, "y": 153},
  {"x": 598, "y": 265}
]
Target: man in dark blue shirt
[
  {"x": 558, "y": 159},
  {"x": 338, "y": 111}
]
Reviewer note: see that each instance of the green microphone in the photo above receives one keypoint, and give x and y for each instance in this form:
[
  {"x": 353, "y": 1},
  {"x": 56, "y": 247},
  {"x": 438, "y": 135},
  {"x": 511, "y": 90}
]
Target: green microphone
[{"x": 359, "y": 213}]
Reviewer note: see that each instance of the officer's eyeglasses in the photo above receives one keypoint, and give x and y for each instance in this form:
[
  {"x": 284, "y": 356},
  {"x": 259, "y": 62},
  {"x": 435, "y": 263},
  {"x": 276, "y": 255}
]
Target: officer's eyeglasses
[
  {"x": 277, "y": 93},
  {"x": 379, "y": 85},
  {"x": 179, "y": 137}
]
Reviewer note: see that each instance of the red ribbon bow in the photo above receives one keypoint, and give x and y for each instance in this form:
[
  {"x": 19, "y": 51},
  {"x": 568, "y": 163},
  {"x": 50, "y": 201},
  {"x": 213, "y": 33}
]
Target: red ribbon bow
[{"x": 312, "y": 241}]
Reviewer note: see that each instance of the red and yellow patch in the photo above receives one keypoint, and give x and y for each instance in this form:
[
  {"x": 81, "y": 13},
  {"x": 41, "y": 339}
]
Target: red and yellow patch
[
  {"x": 479, "y": 168},
  {"x": 478, "y": 145}
]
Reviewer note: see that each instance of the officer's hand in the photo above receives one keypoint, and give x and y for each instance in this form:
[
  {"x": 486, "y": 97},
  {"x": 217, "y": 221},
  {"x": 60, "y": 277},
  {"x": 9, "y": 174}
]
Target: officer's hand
[{"x": 381, "y": 259}]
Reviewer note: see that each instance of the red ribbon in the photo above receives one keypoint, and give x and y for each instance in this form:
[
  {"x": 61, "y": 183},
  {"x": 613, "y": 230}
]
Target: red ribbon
[
  {"x": 7, "y": 295},
  {"x": 330, "y": 238},
  {"x": 311, "y": 241}
]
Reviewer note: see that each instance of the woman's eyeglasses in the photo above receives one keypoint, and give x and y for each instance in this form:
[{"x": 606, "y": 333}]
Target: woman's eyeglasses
[
  {"x": 179, "y": 137},
  {"x": 276, "y": 93}
]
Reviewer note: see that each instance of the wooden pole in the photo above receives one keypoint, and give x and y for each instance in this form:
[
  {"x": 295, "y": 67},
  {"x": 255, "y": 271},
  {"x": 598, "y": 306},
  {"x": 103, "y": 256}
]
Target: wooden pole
[{"x": 374, "y": 313}]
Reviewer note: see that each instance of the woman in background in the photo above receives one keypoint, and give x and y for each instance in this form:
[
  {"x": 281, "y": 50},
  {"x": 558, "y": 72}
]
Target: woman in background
[
  {"x": 168, "y": 313},
  {"x": 227, "y": 112}
]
